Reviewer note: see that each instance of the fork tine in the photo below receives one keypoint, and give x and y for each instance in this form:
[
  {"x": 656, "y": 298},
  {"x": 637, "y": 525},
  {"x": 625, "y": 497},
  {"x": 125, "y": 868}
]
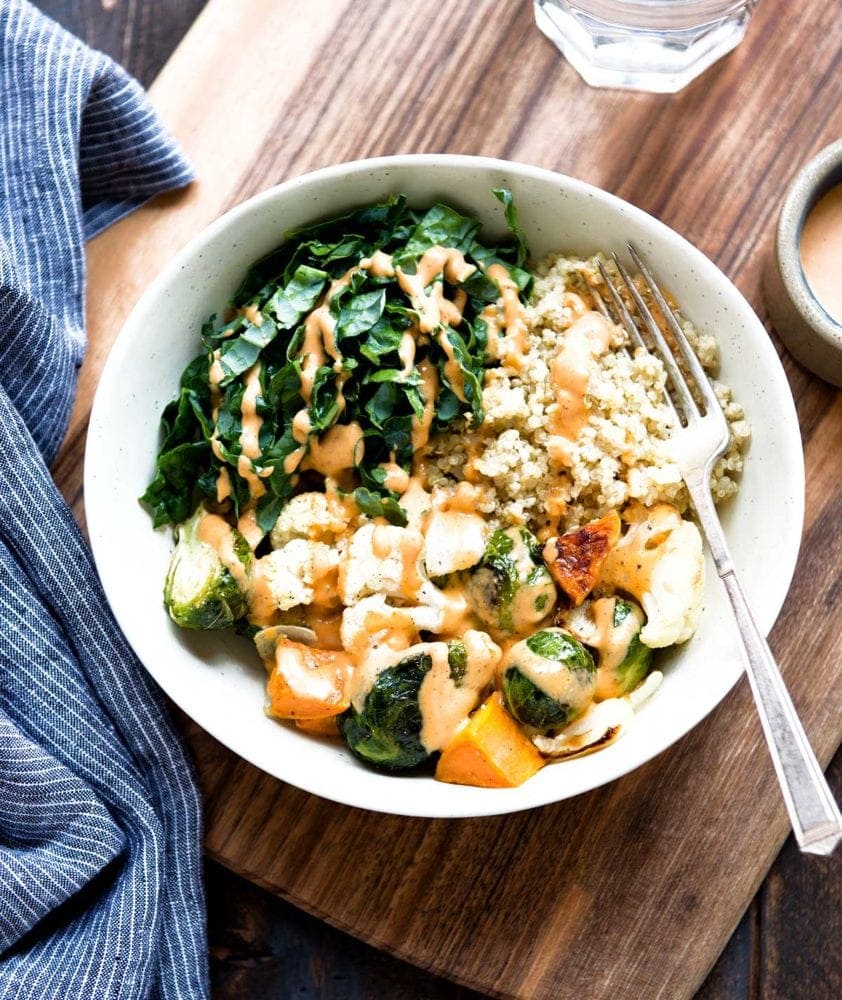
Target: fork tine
[
  {"x": 600, "y": 302},
  {"x": 676, "y": 376},
  {"x": 628, "y": 322},
  {"x": 693, "y": 363},
  {"x": 620, "y": 306}
]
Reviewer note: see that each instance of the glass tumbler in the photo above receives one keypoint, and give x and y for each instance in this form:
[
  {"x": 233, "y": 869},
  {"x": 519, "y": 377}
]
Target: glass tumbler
[{"x": 653, "y": 45}]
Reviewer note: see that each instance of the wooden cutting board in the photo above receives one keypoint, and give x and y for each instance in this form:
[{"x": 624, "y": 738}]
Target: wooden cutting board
[{"x": 634, "y": 889}]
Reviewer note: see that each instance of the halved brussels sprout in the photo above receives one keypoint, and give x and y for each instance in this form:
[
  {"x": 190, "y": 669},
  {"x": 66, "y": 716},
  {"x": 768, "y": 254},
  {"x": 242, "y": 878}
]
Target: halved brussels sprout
[
  {"x": 387, "y": 732},
  {"x": 549, "y": 679},
  {"x": 200, "y": 591},
  {"x": 612, "y": 626},
  {"x": 511, "y": 590}
]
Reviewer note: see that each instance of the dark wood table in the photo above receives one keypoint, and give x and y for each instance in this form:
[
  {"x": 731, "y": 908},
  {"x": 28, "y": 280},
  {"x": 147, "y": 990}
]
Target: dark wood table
[{"x": 786, "y": 945}]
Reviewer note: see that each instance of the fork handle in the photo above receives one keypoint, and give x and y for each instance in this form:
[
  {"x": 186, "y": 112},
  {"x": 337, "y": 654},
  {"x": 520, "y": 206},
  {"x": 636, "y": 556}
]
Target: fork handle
[{"x": 812, "y": 809}]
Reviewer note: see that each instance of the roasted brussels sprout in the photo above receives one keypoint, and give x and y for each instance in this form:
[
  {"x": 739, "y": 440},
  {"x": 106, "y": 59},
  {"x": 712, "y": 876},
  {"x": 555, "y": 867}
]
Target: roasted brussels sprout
[
  {"x": 200, "y": 591},
  {"x": 387, "y": 732},
  {"x": 611, "y": 626},
  {"x": 511, "y": 590},
  {"x": 549, "y": 679}
]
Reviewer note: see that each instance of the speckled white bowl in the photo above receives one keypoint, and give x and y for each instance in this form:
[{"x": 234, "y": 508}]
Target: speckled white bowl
[{"x": 217, "y": 679}]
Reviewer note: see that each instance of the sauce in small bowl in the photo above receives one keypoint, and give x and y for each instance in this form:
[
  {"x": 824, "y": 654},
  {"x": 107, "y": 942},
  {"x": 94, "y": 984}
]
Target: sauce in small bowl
[
  {"x": 821, "y": 252},
  {"x": 803, "y": 281}
]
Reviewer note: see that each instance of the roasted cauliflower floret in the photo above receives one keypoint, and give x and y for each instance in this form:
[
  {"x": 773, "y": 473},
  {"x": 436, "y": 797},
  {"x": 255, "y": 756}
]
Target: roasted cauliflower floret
[
  {"x": 363, "y": 623},
  {"x": 660, "y": 562},
  {"x": 317, "y": 517},
  {"x": 453, "y": 541},
  {"x": 291, "y": 573},
  {"x": 381, "y": 559}
]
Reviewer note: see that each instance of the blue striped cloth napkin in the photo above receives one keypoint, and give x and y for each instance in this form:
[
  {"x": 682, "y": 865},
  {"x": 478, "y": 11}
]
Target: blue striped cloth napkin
[{"x": 100, "y": 827}]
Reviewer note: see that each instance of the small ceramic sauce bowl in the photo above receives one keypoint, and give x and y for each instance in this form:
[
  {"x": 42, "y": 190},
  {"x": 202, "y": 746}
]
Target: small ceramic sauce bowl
[{"x": 808, "y": 331}]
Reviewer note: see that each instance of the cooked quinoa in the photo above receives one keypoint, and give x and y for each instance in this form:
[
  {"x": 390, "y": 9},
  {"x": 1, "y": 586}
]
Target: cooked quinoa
[{"x": 620, "y": 454}]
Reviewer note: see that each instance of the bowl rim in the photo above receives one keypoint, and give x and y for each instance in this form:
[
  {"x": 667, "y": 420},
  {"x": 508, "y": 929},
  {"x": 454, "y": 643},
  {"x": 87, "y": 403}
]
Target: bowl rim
[
  {"x": 497, "y": 803},
  {"x": 812, "y": 182}
]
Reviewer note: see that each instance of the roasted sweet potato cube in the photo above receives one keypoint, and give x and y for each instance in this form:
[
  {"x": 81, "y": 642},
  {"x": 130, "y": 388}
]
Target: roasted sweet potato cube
[
  {"x": 307, "y": 683},
  {"x": 319, "y": 727},
  {"x": 576, "y": 558},
  {"x": 490, "y": 751}
]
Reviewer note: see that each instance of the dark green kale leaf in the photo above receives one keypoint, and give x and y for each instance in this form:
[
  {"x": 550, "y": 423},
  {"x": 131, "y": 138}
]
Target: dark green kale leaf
[
  {"x": 507, "y": 201},
  {"x": 373, "y": 505},
  {"x": 292, "y": 302},
  {"x": 373, "y": 384},
  {"x": 443, "y": 226}
]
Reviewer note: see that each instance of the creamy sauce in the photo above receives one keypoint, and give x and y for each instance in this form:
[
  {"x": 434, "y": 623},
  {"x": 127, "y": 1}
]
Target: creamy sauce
[
  {"x": 821, "y": 251},
  {"x": 325, "y": 622},
  {"x": 383, "y": 642},
  {"x": 463, "y": 499},
  {"x": 250, "y": 432},
  {"x": 596, "y": 628},
  {"x": 379, "y": 264},
  {"x": 406, "y": 351},
  {"x": 429, "y": 393},
  {"x": 458, "y": 616},
  {"x": 382, "y": 539},
  {"x": 570, "y": 373},
  {"x": 262, "y": 606},
  {"x": 218, "y": 533},
  {"x": 555, "y": 507},
  {"x": 512, "y": 348},
  {"x": 339, "y": 449},
  {"x": 223, "y": 485},
  {"x": 318, "y": 345},
  {"x": 432, "y": 306},
  {"x": 452, "y": 372},
  {"x": 215, "y": 376},
  {"x": 294, "y": 459},
  {"x": 253, "y": 315},
  {"x": 417, "y": 503},
  {"x": 411, "y": 545},
  {"x": 430, "y": 303},
  {"x": 444, "y": 706},
  {"x": 612, "y": 642},
  {"x": 493, "y": 325},
  {"x": 525, "y": 604},
  {"x": 249, "y": 453},
  {"x": 336, "y": 451},
  {"x": 397, "y": 479},
  {"x": 630, "y": 564},
  {"x": 434, "y": 309},
  {"x": 575, "y": 304},
  {"x": 325, "y": 577},
  {"x": 301, "y": 426}
]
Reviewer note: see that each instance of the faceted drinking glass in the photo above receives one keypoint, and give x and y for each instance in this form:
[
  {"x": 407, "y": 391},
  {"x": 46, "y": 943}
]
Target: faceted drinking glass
[{"x": 653, "y": 45}]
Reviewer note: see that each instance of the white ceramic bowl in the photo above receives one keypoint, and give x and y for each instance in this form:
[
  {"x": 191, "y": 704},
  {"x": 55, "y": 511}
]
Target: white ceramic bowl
[{"x": 217, "y": 678}]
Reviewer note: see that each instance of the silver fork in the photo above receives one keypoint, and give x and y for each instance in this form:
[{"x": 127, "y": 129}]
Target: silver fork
[{"x": 701, "y": 436}]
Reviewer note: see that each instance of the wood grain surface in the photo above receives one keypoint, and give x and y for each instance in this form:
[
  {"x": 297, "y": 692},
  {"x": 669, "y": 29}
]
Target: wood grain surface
[{"x": 633, "y": 889}]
